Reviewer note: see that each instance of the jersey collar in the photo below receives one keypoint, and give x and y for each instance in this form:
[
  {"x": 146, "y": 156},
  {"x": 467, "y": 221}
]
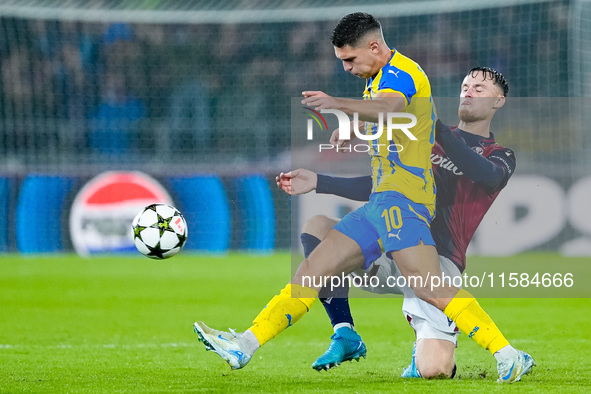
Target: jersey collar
[{"x": 370, "y": 79}]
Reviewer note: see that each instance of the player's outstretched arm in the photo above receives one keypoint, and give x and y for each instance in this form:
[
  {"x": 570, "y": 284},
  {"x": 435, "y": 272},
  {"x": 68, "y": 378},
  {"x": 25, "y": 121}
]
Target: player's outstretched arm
[
  {"x": 367, "y": 110},
  {"x": 358, "y": 188},
  {"x": 493, "y": 171},
  {"x": 302, "y": 181}
]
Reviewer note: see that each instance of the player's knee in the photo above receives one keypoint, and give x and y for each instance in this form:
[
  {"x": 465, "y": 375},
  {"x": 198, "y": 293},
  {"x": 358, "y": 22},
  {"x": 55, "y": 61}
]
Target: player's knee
[
  {"x": 436, "y": 367},
  {"x": 435, "y": 357},
  {"x": 436, "y": 371},
  {"x": 318, "y": 226}
]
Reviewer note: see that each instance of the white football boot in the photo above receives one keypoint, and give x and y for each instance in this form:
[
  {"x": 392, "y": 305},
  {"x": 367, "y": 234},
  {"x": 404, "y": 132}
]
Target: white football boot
[
  {"x": 513, "y": 368},
  {"x": 225, "y": 344}
]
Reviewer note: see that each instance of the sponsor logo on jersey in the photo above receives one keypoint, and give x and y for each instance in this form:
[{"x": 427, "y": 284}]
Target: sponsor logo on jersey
[
  {"x": 445, "y": 163},
  {"x": 102, "y": 212}
]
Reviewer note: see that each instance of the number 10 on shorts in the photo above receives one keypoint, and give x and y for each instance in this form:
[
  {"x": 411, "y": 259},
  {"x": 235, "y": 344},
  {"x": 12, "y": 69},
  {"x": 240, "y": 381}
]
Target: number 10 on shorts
[{"x": 393, "y": 218}]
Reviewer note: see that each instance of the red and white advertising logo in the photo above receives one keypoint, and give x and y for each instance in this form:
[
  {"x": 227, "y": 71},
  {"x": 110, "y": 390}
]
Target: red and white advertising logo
[{"x": 102, "y": 212}]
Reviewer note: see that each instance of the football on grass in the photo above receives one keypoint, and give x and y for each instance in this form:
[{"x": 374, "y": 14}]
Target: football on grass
[{"x": 159, "y": 231}]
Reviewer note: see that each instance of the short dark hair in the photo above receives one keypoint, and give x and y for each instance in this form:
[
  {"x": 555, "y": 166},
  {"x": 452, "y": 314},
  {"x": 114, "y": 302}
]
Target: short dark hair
[
  {"x": 493, "y": 74},
  {"x": 352, "y": 27}
]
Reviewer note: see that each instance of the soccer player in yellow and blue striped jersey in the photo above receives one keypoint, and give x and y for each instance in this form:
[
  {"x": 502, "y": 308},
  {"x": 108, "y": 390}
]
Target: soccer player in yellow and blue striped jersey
[
  {"x": 407, "y": 168},
  {"x": 399, "y": 211}
]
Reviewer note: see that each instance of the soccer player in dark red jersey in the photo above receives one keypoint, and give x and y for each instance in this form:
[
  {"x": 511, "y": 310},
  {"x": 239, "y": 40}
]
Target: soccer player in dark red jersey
[{"x": 470, "y": 169}]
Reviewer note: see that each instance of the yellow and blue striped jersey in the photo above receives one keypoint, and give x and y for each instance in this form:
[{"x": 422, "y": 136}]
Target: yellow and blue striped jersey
[{"x": 408, "y": 171}]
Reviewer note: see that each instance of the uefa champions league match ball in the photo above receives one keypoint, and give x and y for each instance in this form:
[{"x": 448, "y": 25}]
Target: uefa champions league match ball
[{"x": 159, "y": 231}]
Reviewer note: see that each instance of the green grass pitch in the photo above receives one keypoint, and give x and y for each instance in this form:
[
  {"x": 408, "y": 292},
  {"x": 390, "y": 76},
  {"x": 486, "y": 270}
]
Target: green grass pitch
[{"x": 125, "y": 325}]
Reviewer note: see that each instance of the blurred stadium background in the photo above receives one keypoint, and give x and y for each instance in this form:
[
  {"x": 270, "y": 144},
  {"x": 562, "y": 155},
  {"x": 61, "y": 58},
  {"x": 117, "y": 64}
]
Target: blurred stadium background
[{"x": 196, "y": 94}]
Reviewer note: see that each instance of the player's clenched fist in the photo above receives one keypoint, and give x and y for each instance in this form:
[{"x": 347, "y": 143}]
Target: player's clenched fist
[
  {"x": 297, "y": 182},
  {"x": 336, "y": 142}
]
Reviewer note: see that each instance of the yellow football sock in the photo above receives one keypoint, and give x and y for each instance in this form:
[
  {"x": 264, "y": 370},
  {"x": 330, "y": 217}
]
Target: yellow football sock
[
  {"x": 473, "y": 321},
  {"x": 282, "y": 311}
]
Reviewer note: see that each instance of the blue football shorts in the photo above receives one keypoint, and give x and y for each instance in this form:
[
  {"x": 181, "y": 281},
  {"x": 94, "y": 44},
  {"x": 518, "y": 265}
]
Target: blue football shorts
[{"x": 387, "y": 223}]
